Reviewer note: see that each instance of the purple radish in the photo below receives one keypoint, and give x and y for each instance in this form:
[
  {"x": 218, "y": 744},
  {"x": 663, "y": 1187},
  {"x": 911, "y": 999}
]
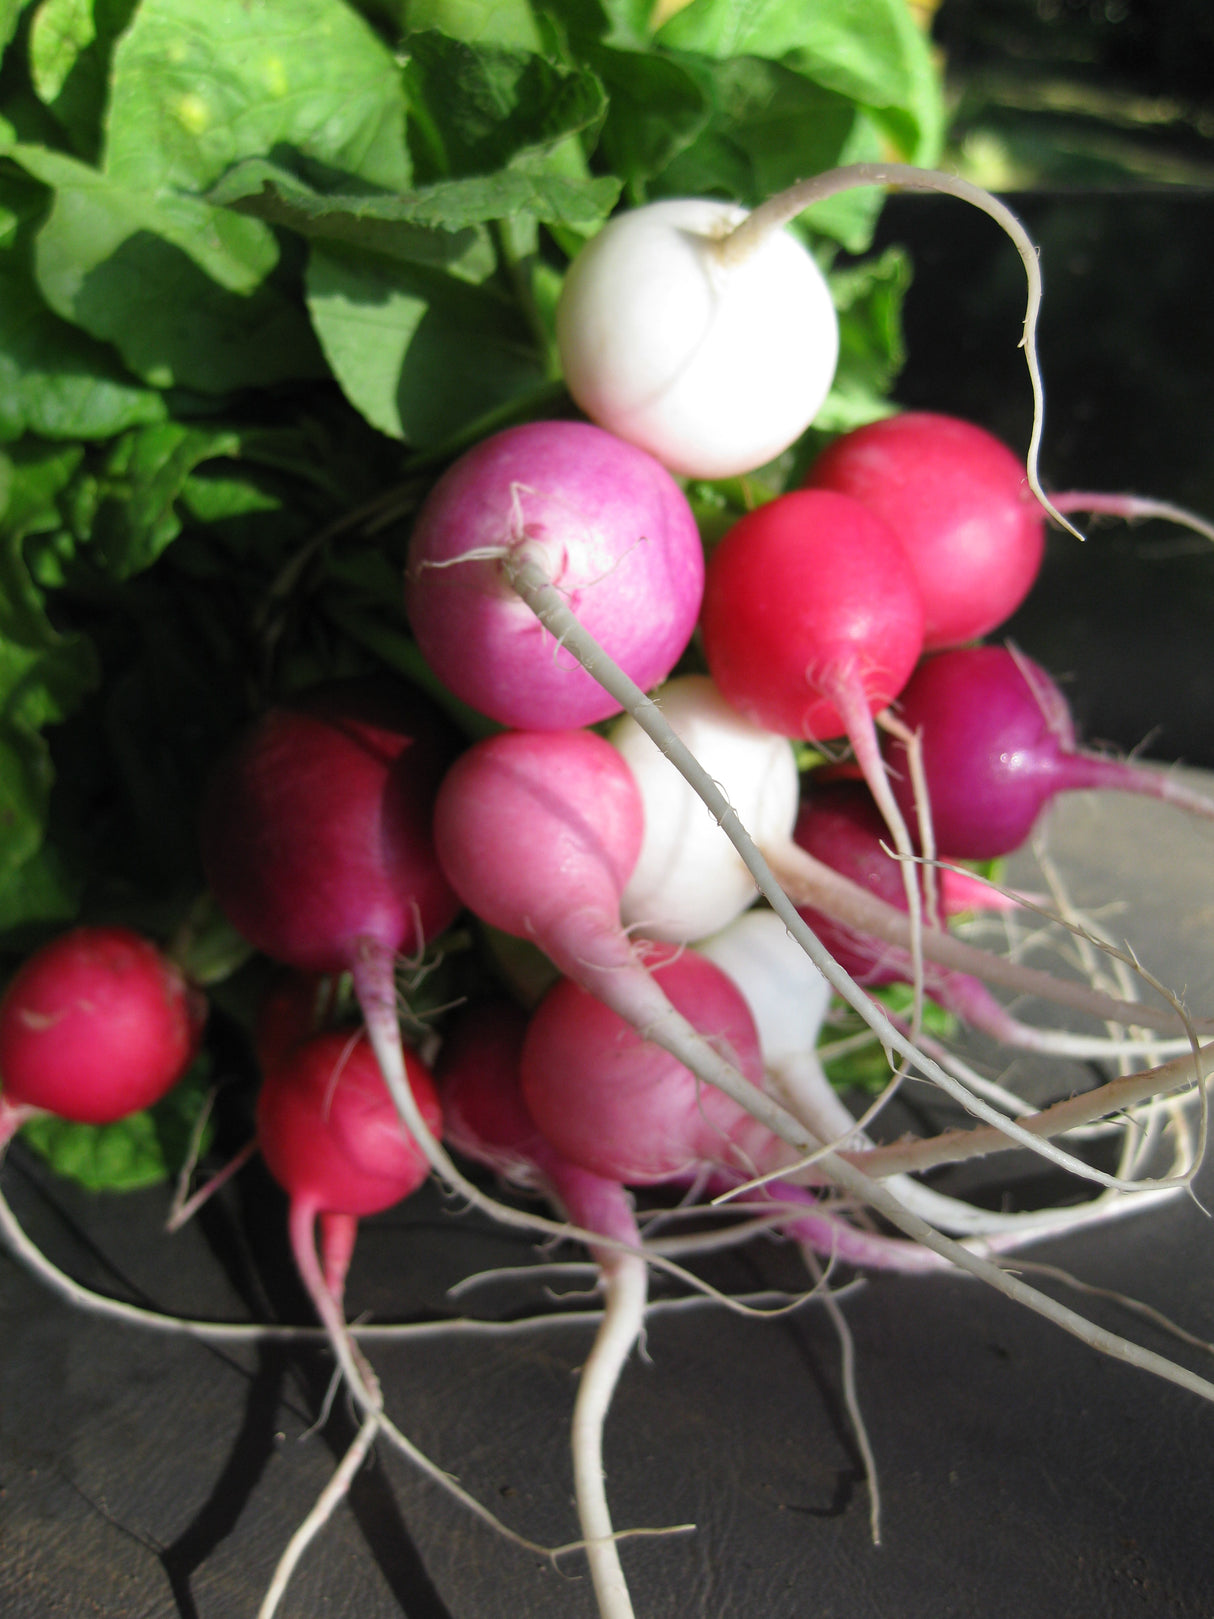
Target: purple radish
[
  {"x": 316, "y": 826},
  {"x": 604, "y": 522},
  {"x": 998, "y": 743}
]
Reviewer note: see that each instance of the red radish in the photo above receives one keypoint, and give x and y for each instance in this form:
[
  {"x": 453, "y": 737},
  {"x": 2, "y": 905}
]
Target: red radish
[
  {"x": 960, "y": 503},
  {"x": 812, "y": 615},
  {"x": 812, "y": 623},
  {"x": 606, "y": 524},
  {"x": 998, "y": 742},
  {"x": 329, "y": 1132},
  {"x": 95, "y": 1025}
]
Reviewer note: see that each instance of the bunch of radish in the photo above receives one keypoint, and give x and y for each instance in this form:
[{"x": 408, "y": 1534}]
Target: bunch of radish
[{"x": 638, "y": 817}]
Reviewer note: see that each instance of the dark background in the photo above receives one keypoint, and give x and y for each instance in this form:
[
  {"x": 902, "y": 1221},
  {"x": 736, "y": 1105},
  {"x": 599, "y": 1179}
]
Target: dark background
[{"x": 1101, "y": 115}]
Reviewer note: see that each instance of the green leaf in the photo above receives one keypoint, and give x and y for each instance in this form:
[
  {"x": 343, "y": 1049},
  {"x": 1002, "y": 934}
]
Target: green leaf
[
  {"x": 141, "y": 1150},
  {"x": 389, "y": 224},
  {"x": 418, "y": 353},
  {"x": 869, "y": 299},
  {"x": 770, "y": 127},
  {"x": 488, "y": 104},
  {"x": 479, "y": 22},
  {"x": 183, "y": 293},
  {"x": 134, "y": 503},
  {"x": 200, "y": 84},
  {"x": 56, "y": 381},
  {"x": 871, "y": 52},
  {"x": 60, "y": 32},
  {"x": 10, "y": 15}
]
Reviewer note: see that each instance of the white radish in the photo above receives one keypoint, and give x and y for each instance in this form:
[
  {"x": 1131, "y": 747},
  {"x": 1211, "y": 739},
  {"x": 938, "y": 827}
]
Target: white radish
[
  {"x": 689, "y": 880},
  {"x": 714, "y": 367}
]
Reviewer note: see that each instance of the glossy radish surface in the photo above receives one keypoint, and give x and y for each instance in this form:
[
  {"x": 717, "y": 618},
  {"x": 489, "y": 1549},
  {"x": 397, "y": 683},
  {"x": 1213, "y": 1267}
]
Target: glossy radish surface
[
  {"x": 810, "y": 602},
  {"x": 959, "y": 502},
  {"x": 998, "y": 743},
  {"x": 714, "y": 367},
  {"x": 623, "y": 1107},
  {"x": 329, "y": 1132},
  {"x": 608, "y": 526},
  {"x": 95, "y": 1025},
  {"x": 689, "y": 880},
  {"x": 316, "y": 827}
]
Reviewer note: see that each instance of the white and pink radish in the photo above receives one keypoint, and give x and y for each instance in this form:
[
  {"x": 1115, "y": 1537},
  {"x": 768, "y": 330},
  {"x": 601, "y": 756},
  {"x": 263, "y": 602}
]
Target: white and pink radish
[
  {"x": 997, "y": 743},
  {"x": 95, "y": 1025},
  {"x": 601, "y": 521},
  {"x": 538, "y": 832}
]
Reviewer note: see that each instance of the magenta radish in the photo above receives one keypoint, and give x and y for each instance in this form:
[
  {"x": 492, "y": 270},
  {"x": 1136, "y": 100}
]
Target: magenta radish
[
  {"x": 95, "y": 1025},
  {"x": 689, "y": 880},
  {"x": 712, "y": 367},
  {"x": 959, "y": 502},
  {"x": 998, "y": 743},
  {"x": 840, "y": 826},
  {"x": 604, "y": 522},
  {"x": 316, "y": 826}
]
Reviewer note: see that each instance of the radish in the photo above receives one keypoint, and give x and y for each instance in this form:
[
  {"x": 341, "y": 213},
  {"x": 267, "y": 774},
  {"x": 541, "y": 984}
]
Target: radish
[
  {"x": 316, "y": 826},
  {"x": 840, "y": 826},
  {"x": 959, "y": 502},
  {"x": 998, "y": 743},
  {"x": 705, "y": 334},
  {"x": 713, "y": 367},
  {"x": 95, "y": 1025},
  {"x": 487, "y": 1119},
  {"x": 316, "y": 841},
  {"x": 603, "y": 521},
  {"x": 330, "y": 1136},
  {"x": 566, "y": 806},
  {"x": 612, "y": 1101},
  {"x": 689, "y": 880},
  {"x": 812, "y": 623}
]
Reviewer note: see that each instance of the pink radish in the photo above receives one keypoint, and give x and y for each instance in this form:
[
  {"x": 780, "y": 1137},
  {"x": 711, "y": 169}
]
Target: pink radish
[
  {"x": 602, "y": 520},
  {"x": 95, "y": 1025},
  {"x": 615, "y": 1103},
  {"x": 487, "y": 1119},
  {"x": 998, "y": 743},
  {"x": 960, "y": 504}
]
